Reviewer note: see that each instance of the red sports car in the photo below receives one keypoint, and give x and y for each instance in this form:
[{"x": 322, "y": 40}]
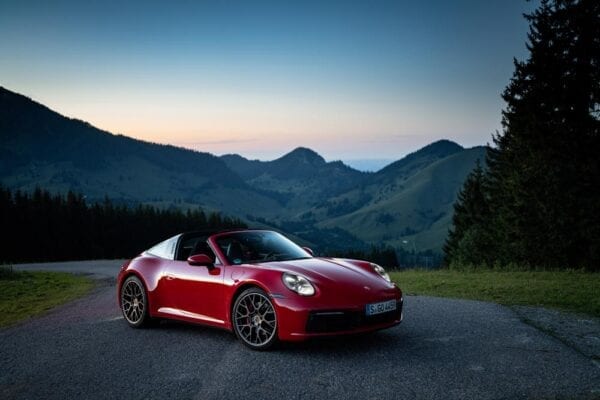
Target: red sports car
[{"x": 258, "y": 284}]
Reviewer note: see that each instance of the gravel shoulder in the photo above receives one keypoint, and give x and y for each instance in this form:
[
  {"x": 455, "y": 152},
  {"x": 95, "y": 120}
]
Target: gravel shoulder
[
  {"x": 580, "y": 332},
  {"x": 96, "y": 269}
]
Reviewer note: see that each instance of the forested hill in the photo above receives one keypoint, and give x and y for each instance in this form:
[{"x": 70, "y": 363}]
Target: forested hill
[
  {"x": 409, "y": 201},
  {"x": 406, "y": 204}
]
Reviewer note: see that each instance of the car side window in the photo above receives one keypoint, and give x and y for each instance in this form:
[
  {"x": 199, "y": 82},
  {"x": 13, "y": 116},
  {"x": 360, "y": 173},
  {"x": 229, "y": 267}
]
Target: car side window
[
  {"x": 191, "y": 245},
  {"x": 165, "y": 249},
  {"x": 206, "y": 249}
]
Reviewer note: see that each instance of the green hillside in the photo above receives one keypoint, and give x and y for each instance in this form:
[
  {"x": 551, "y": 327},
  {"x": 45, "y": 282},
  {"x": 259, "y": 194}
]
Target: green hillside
[{"x": 416, "y": 207}]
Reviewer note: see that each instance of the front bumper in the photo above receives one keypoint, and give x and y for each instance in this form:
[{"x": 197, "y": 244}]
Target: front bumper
[
  {"x": 299, "y": 323},
  {"x": 349, "y": 320}
]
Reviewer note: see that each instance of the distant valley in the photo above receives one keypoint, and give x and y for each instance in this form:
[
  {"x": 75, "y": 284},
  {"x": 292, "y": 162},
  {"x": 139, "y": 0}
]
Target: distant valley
[{"x": 407, "y": 204}]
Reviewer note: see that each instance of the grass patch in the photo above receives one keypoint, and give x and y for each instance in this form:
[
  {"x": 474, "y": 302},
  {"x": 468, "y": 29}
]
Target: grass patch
[
  {"x": 25, "y": 294},
  {"x": 574, "y": 291}
]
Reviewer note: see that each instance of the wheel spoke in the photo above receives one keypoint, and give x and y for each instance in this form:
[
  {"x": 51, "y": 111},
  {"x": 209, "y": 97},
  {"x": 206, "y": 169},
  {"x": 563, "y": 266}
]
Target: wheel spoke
[
  {"x": 270, "y": 323},
  {"x": 264, "y": 303},
  {"x": 245, "y": 307}
]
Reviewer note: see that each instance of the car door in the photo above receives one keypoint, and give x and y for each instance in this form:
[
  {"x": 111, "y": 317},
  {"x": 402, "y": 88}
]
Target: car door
[
  {"x": 164, "y": 297},
  {"x": 198, "y": 291}
]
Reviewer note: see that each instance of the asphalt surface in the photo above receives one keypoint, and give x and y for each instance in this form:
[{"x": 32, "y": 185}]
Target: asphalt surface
[{"x": 444, "y": 349}]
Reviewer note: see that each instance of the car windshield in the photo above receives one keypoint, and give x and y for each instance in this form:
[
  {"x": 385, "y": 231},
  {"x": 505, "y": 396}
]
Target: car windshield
[{"x": 259, "y": 246}]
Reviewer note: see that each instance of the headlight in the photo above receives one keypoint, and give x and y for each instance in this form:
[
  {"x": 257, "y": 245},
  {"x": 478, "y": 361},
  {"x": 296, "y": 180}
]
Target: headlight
[
  {"x": 298, "y": 284},
  {"x": 381, "y": 272}
]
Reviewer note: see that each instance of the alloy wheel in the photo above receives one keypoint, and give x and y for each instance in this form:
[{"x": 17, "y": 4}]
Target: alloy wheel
[{"x": 255, "y": 320}]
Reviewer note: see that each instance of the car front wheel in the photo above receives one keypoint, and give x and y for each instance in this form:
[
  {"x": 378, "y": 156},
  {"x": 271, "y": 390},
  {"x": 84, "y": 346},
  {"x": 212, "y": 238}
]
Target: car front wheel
[{"x": 255, "y": 319}]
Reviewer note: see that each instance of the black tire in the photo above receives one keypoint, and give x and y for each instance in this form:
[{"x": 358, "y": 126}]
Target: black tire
[
  {"x": 134, "y": 303},
  {"x": 254, "y": 319}
]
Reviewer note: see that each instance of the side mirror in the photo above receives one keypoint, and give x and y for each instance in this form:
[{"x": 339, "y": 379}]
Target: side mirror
[
  {"x": 200, "y": 260},
  {"x": 309, "y": 250}
]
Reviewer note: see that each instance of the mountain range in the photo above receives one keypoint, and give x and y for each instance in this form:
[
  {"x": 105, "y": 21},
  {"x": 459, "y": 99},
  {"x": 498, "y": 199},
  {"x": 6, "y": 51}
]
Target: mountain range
[{"x": 406, "y": 204}]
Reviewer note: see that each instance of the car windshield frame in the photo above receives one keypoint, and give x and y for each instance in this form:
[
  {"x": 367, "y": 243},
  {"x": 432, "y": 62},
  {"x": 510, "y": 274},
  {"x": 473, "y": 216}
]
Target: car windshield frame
[{"x": 257, "y": 247}]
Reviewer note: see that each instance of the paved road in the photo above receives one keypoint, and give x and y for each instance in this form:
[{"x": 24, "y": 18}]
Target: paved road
[{"x": 444, "y": 349}]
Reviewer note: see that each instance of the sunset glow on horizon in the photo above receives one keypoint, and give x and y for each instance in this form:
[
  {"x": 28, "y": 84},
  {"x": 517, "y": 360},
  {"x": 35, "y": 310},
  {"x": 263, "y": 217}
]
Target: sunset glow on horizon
[{"x": 347, "y": 79}]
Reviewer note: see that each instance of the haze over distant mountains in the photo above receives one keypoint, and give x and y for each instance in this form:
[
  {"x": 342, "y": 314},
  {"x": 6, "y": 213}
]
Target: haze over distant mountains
[
  {"x": 368, "y": 164},
  {"x": 328, "y": 204}
]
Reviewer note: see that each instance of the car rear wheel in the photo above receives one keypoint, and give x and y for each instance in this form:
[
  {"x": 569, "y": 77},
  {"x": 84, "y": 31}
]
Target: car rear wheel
[
  {"x": 134, "y": 303},
  {"x": 255, "y": 319}
]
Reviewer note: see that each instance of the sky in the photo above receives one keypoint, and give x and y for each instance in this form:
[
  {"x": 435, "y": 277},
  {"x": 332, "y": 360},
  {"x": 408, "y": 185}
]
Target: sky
[{"x": 353, "y": 80}]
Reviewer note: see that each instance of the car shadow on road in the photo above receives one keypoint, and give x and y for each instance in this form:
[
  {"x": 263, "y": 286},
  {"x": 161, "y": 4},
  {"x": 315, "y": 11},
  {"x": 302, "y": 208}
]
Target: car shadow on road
[
  {"x": 354, "y": 344},
  {"x": 185, "y": 328}
]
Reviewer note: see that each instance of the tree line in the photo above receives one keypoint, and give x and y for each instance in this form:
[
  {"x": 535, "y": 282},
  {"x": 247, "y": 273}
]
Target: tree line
[
  {"x": 536, "y": 202},
  {"x": 381, "y": 255},
  {"x": 40, "y": 226},
  {"x": 392, "y": 258}
]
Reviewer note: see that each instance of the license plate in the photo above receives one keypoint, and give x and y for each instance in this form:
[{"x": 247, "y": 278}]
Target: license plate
[{"x": 379, "y": 308}]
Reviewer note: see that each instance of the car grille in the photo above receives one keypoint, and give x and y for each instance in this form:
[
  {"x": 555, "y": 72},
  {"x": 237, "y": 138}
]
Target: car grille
[{"x": 344, "y": 320}]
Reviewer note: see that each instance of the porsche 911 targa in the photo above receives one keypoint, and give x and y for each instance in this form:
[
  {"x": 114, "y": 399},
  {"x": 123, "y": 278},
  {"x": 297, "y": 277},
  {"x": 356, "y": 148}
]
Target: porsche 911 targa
[{"x": 258, "y": 284}]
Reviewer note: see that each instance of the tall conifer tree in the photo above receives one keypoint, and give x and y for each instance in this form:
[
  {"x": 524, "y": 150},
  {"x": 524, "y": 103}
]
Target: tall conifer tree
[
  {"x": 467, "y": 241},
  {"x": 545, "y": 163}
]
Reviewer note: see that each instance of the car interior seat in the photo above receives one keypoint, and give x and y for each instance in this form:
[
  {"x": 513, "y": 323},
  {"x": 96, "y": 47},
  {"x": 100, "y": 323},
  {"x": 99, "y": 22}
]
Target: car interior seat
[{"x": 234, "y": 252}]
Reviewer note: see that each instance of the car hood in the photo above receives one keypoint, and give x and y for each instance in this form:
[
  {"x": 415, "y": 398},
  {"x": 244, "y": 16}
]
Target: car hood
[{"x": 332, "y": 271}]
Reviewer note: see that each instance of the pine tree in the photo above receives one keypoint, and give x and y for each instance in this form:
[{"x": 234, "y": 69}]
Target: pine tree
[
  {"x": 7, "y": 216},
  {"x": 67, "y": 228},
  {"x": 544, "y": 170},
  {"x": 467, "y": 241}
]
